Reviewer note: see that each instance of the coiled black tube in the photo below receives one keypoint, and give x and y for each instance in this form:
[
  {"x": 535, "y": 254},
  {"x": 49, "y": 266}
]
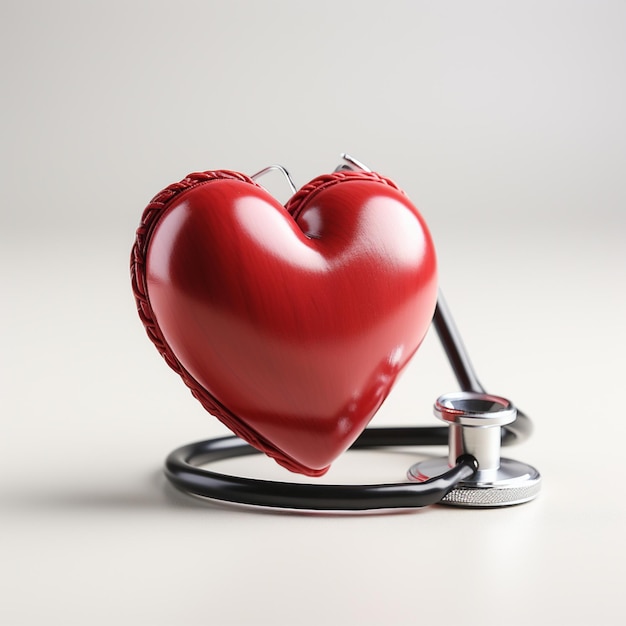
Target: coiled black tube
[{"x": 182, "y": 469}]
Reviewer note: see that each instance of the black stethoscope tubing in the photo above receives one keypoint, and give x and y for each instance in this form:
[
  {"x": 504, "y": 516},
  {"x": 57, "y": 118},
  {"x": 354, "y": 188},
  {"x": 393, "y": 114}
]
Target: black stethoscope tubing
[{"x": 183, "y": 471}]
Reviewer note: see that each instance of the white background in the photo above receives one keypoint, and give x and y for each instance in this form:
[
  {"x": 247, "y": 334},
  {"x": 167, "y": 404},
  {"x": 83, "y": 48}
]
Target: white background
[{"x": 505, "y": 123}]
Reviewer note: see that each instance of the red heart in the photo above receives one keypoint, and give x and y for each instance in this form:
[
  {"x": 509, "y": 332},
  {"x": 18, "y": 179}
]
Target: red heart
[{"x": 290, "y": 324}]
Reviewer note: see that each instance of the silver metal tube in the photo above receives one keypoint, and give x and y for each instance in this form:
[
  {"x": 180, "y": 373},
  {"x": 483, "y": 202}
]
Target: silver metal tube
[{"x": 481, "y": 442}]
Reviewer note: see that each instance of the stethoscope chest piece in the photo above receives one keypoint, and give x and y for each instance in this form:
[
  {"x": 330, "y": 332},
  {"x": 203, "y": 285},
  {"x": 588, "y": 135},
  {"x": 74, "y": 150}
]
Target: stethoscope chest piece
[{"x": 475, "y": 422}]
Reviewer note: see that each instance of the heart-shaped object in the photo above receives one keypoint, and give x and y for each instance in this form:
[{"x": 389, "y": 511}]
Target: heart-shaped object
[{"x": 289, "y": 324}]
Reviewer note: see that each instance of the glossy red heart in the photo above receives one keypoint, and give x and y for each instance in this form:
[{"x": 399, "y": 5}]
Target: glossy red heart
[{"x": 290, "y": 324}]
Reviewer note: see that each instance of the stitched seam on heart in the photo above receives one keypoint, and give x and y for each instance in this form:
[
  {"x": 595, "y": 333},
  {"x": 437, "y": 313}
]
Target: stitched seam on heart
[
  {"x": 150, "y": 217},
  {"x": 306, "y": 194}
]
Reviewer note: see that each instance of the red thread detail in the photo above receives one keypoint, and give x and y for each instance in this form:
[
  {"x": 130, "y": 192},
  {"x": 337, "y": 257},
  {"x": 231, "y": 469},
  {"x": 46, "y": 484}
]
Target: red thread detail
[{"x": 306, "y": 194}]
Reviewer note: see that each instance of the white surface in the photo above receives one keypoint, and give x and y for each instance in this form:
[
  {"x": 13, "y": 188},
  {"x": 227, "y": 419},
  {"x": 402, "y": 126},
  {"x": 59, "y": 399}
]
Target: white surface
[{"x": 503, "y": 121}]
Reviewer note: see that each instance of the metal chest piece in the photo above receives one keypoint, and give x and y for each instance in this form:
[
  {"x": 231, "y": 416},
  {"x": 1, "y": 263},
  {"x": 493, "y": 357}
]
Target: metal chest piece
[{"x": 475, "y": 421}]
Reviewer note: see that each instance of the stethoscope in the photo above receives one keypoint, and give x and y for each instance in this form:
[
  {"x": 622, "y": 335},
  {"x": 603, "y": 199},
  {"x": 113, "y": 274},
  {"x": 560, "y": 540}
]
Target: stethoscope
[{"x": 472, "y": 475}]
